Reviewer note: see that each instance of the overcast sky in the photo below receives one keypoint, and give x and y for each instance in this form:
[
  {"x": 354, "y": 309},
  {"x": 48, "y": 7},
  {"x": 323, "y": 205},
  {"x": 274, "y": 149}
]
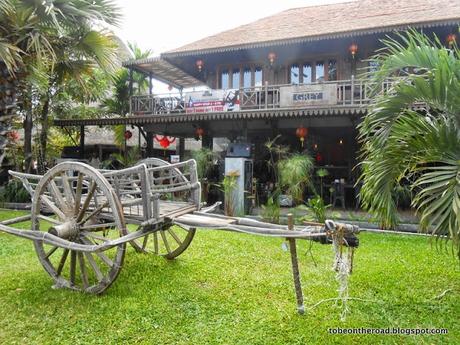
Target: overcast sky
[{"x": 161, "y": 25}]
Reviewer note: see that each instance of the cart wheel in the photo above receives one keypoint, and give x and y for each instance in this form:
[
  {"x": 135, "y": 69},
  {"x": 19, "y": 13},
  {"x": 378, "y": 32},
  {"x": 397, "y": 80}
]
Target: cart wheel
[
  {"x": 75, "y": 202},
  {"x": 169, "y": 243}
]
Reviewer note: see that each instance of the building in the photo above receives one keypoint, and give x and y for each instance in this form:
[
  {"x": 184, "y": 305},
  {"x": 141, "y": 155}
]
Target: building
[{"x": 301, "y": 68}]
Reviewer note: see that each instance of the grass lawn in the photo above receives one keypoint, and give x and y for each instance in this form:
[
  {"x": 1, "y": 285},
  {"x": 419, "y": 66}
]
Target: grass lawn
[{"x": 232, "y": 288}]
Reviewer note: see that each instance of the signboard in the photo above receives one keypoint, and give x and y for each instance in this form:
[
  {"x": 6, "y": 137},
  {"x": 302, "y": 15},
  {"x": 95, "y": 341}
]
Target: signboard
[
  {"x": 305, "y": 95},
  {"x": 211, "y": 101}
]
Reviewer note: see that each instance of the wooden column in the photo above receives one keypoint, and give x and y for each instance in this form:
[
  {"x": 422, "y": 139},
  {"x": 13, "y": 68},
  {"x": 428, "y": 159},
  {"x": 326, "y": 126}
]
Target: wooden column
[
  {"x": 180, "y": 148},
  {"x": 82, "y": 142},
  {"x": 150, "y": 84},
  {"x": 149, "y": 140},
  {"x": 207, "y": 141}
]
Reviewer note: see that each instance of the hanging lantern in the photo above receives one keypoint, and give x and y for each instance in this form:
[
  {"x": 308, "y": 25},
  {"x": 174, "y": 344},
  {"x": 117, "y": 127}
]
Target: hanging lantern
[
  {"x": 164, "y": 141},
  {"x": 128, "y": 135},
  {"x": 353, "y": 49},
  {"x": 451, "y": 38},
  {"x": 199, "y": 132},
  {"x": 170, "y": 87},
  {"x": 301, "y": 133},
  {"x": 318, "y": 157},
  {"x": 271, "y": 58},
  {"x": 199, "y": 64}
]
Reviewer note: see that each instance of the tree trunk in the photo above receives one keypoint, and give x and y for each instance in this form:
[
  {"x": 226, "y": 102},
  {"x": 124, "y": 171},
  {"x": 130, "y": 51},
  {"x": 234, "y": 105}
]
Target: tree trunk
[
  {"x": 43, "y": 134},
  {"x": 28, "y": 140}
]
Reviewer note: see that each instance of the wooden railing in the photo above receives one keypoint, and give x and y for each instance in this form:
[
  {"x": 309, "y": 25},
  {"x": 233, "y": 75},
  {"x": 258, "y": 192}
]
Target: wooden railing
[{"x": 353, "y": 92}]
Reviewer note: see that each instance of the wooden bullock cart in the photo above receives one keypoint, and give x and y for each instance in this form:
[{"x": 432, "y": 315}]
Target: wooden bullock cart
[{"x": 83, "y": 218}]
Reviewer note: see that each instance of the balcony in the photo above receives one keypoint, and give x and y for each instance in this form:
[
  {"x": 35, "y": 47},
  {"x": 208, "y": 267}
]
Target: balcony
[{"x": 342, "y": 93}]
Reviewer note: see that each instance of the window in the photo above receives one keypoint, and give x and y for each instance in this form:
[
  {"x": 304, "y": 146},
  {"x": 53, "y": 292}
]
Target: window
[
  {"x": 319, "y": 71},
  {"x": 236, "y": 78},
  {"x": 258, "y": 76},
  {"x": 295, "y": 76},
  {"x": 332, "y": 70},
  {"x": 306, "y": 73},
  {"x": 224, "y": 79},
  {"x": 247, "y": 77}
]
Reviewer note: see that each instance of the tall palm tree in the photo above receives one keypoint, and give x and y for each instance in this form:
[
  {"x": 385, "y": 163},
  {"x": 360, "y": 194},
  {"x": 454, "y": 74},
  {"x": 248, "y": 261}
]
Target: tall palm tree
[
  {"x": 32, "y": 33},
  {"x": 421, "y": 147}
]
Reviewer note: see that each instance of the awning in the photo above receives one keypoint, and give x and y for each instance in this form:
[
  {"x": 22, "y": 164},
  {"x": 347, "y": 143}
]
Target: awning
[
  {"x": 220, "y": 116},
  {"x": 162, "y": 70}
]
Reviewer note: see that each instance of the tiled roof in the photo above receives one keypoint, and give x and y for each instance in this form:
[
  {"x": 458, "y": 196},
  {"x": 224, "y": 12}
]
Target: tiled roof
[{"x": 328, "y": 21}]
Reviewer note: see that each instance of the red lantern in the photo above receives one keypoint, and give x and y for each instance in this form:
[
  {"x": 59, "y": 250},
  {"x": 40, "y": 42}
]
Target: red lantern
[
  {"x": 271, "y": 58},
  {"x": 164, "y": 141},
  {"x": 128, "y": 135},
  {"x": 353, "y": 49},
  {"x": 199, "y": 132},
  {"x": 318, "y": 157},
  {"x": 301, "y": 133},
  {"x": 199, "y": 64},
  {"x": 451, "y": 38},
  {"x": 170, "y": 87}
]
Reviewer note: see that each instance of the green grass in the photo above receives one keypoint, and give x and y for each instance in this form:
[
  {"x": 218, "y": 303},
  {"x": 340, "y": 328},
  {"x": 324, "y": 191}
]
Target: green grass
[{"x": 234, "y": 289}]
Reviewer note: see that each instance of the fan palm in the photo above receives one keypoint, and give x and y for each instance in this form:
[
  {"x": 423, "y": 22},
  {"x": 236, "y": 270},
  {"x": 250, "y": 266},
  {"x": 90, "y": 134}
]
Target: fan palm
[
  {"x": 423, "y": 147},
  {"x": 33, "y": 32}
]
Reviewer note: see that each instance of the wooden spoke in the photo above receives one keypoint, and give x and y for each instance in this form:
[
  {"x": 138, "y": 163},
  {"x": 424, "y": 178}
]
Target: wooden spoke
[
  {"x": 53, "y": 207},
  {"x": 84, "y": 275},
  {"x": 70, "y": 198},
  {"x": 94, "y": 266},
  {"x": 62, "y": 262},
  {"x": 165, "y": 241},
  {"x": 144, "y": 243},
  {"x": 155, "y": 242},
  {"x": 49, "y": 219},
  {"x": 173, "y": 235},
  {"x": 51, "y": 252},
  {"x": 94, "y": 212},
  {"x": 56, "y": 193},
  {"x": 78, "y": 193},
  {"x": 95, "y": 236},
  {"x": 92, "y": 189},
  {"x": 73, "y": 264},
  {"x": 104, "y": 258}
]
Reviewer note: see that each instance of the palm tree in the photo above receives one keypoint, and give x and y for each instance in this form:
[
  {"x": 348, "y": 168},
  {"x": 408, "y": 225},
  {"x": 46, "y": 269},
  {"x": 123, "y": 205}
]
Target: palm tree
[
  {"x": 32, "y": 33},
  {"x": 422, "y": 147}
]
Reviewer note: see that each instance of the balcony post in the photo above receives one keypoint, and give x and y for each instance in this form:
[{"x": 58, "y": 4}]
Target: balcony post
[
  {"x": 266, "y": 94},
  {"x": 352, "y": 94}
]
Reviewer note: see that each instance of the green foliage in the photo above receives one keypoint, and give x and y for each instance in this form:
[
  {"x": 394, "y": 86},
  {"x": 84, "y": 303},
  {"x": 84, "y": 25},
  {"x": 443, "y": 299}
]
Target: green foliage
[
  {"x": 317, "y": 208},
  {"x": 230, "y": 288},
  {"x": 421, "y": 147},
  {"x": 271, "y": 210},
  {"x": 204, "y": 158},
  {"x": 14, "y": 191},
  {"x": 228, "y": 187},
  {"x": 126, "y": 160},
  {"x": 295, "y": 174}
]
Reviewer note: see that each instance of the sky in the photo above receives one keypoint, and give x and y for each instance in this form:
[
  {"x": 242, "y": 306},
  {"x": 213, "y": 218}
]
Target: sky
[{"x": 161, "y": 25}]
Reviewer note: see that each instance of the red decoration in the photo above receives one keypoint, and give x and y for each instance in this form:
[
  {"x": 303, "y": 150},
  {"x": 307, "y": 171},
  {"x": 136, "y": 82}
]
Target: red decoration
[
  {"x": 128, "y": 135},
  {"x": 164, "y": 141},
  {"x": 301, "y": 133},
  {"x": 199, "y": 63},
  {"x": 13, "y": 135},
  {"x": 451, "y": 38},
  {"x": 318, "y": 157},
  {"x": 271, "y": 58},
  {"x": 199, "y": 132},
  {"x": 353, "y": 49}
]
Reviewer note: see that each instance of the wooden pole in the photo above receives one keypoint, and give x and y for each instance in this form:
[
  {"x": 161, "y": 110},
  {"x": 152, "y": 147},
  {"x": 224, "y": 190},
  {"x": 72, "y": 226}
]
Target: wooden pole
[
  {"x": 295, "y": 267},
  {"x": 82, "y": 142}
]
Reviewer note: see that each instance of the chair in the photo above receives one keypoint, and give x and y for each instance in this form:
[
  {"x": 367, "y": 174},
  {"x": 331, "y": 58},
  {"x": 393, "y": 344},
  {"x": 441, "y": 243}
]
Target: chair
[{"x": 338, "y": 193}]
